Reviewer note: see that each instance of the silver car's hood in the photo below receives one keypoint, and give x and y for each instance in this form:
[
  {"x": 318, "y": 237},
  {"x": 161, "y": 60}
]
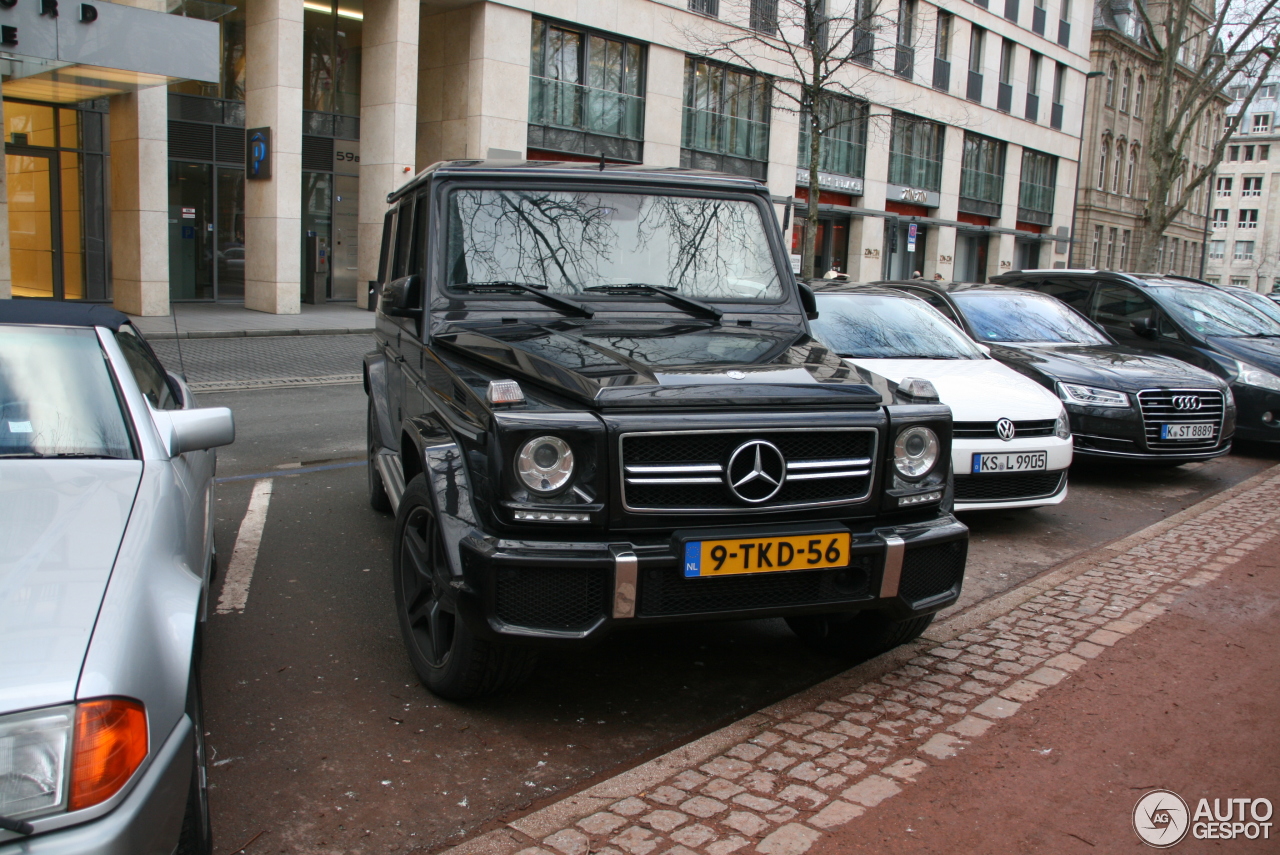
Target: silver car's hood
[{"x": 60, "y": 527}]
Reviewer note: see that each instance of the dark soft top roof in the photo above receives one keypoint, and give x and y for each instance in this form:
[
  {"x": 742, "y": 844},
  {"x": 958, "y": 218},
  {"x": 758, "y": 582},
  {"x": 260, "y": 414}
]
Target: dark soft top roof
[{"x": 57, "y": 313}]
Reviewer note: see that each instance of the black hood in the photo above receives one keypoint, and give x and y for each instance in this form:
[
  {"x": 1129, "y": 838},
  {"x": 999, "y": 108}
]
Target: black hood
[
  {"x": 1262, "y": 352},
  {"x": 1124, "y": 369},
  {"x": 633, "y": 364}
]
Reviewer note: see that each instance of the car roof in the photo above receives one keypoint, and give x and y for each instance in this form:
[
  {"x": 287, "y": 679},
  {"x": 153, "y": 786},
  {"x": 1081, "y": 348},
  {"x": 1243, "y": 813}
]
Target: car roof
[
  {"x": 21, "y": 310},
  {"x": 575, "y": 170},
  {"x": 1139, "y": 279},
  {"x": 838, "y": 286},
  {"x": 943, "y": 286}
]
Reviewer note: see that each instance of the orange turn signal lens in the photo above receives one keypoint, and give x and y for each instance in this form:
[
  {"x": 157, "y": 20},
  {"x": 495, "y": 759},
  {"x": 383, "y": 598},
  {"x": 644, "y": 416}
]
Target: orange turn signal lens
[{"x": 110, "y": 745}]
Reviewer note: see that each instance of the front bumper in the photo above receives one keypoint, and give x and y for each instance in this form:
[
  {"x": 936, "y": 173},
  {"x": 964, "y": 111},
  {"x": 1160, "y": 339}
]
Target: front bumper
[
  {"x": 1123, "y": 433},
  {"x": 1252, "y": 404},
  {"x": 147, "y": 820},
  {"x": 1000, "y": 491},
  {"x": 561, "y": 592}
]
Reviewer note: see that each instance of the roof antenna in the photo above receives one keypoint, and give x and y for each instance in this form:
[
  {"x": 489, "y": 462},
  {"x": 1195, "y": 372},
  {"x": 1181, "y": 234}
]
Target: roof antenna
[
  {"x": 602, "y": 161},
  {"x": 173, "y": 310}
]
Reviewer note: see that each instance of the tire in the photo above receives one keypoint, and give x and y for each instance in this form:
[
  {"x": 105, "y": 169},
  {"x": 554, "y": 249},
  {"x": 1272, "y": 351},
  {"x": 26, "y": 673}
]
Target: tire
[
  {"x": 858, "y": 636},
  {"x": 448, "y": 658},
  {"x": 378, "y": 498},
  {"x": 196, "y": 837}
]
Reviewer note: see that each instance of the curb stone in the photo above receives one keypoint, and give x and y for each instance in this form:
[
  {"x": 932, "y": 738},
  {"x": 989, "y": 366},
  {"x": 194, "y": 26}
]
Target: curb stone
[{"x": 825, "y": 756}]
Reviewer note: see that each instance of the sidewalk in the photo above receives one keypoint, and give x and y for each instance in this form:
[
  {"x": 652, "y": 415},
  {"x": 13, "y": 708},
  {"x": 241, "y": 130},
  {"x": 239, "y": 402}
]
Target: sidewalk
[
  {"x": 229, "y": 320},
  {"x": 1032, "y": 722}
]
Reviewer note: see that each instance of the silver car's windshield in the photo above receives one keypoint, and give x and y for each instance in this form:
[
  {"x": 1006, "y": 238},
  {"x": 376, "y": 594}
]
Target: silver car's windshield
[
  {"x": 56, "y": 396},
  {"x": 873, "y": 326},
  {"x": 572, "y": 243},
  {"x": 1211, "y": 312}
]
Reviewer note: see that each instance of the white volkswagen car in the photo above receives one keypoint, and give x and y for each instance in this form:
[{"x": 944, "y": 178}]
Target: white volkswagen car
[{"x": 1012, "y": 441}]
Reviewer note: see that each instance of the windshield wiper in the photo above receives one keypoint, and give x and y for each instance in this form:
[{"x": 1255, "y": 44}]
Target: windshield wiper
[
  {"x": 689, "y": 304},
  {"x": 81, "y": 455},
  {"x": 539, "y": 291}
]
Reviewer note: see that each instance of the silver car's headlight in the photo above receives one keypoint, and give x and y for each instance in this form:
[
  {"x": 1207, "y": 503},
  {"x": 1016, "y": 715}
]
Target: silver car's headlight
[
  {"x": 35, "y": 755},
  {"x": 1062, "y": 426},
  {"x": 915, "y": 452},
  {"x": 545, "y": 464},
  {"x": 1091, "y": 396},
  {"x": 1249, "y": 375}
]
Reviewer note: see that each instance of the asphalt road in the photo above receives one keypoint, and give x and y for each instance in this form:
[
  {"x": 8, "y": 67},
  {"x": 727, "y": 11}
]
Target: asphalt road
[{"x": 323, "y": 740}]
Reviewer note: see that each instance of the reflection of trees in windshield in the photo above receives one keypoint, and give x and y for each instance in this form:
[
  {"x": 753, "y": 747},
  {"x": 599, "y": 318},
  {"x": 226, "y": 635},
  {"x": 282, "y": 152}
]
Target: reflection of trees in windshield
[
  {"x": 1024, "y": 317},
  {"x": 1217, "y": 313},
  {"x": 888, "y": 328},
  {"x": 569, "y": 241}
]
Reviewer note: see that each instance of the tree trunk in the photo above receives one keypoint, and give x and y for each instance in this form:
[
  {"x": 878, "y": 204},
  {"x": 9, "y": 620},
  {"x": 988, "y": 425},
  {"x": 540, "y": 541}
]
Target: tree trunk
[{"x": 810, "y": 247}]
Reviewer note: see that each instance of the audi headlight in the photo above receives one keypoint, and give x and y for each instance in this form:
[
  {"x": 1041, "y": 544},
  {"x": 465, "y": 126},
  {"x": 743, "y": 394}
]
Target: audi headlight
[
  {"x": 1062, "y": 426},
  {"x": 35, "y": 750},
  {"x": 1091, "y": 396},
  {"x": 1249, "y": 375},
  {"x": 545, "y": 464},
  {"x": 915, "y": 452}
]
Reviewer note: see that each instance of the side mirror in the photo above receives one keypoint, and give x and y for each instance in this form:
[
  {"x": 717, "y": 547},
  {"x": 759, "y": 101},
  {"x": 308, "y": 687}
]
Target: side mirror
[
  {"x": 1145, "y": 327},
  {"x": 808, "y": 301},
  {"x": 196, "y": 430},
  {"x": 403, "y": 297}
]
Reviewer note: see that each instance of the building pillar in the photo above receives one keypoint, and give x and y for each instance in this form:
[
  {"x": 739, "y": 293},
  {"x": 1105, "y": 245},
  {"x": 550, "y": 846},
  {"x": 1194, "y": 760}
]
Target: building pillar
[
  {"x": 664, "y": 107},
  {"x": 273, "y": 206},
  {"x": 140, "y": 201},
  {"x": 388, "y": 120},
  {"x": 6, "y": 272},
  {"x": 866, "y": 234}
]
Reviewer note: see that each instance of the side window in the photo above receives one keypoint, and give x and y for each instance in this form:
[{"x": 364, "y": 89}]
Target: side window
[
  {"x": 1167, "y": 329},
  {"x": 147, "y": 371},
  {"x": 404, "y": 240},
  {"x": 1118, "y": 306},
  {"x": 384, "y": 257},
  {"x": 933, "y": 299},
  {"x": 1074, "y": 294}
]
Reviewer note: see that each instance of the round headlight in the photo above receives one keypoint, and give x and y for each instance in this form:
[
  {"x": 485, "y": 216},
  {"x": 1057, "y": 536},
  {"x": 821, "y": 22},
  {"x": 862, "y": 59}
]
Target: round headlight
[
  {"x": 545, "y": 464},
  {"x": 915, "y": 452}
]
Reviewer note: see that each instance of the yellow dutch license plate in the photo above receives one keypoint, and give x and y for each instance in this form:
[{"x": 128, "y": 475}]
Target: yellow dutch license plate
[{"x": 765, "y": 554}]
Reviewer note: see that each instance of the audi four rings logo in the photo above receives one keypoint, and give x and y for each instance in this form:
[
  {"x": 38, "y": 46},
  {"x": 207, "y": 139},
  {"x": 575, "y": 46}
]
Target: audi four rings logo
[
  {"x": 1186, "y": 402},
  {"x": 1005, "y": 429},
  {"x": 756, "y": 471}
]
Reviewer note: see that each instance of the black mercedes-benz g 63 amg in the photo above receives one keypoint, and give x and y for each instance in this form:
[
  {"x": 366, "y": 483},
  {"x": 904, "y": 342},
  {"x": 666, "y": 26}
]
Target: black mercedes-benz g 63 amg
[{"x": 595, "y": 402}]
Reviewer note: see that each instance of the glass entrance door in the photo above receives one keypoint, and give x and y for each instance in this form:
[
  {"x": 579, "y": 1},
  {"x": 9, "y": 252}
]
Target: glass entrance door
[{"x": 35, "y": 247}]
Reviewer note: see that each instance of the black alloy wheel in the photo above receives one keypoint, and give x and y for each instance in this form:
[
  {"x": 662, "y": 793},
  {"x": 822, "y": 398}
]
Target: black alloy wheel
[
  {"x": 196, "y": 837},
  {"x": 448, "y": 658},
  {"x": 378, "y": 498},
  {"x": 857, "y": 636}
]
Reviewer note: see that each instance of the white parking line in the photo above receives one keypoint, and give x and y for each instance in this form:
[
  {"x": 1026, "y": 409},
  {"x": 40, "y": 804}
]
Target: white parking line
[{"x": 235, "y": 588}]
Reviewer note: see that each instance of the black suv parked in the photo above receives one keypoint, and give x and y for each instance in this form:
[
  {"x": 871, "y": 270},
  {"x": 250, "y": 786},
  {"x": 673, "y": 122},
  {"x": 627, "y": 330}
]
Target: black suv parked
[
  {"x": 1186, "y": 319},
  {"x": 595, "y": 403}
]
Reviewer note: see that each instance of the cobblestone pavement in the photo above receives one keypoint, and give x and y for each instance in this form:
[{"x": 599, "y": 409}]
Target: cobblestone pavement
[
  {"x": 776, "y": 781},
  {"x": 253, "y": 362}
]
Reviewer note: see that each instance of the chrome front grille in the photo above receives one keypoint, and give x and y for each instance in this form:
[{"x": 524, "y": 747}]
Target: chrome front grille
[
  {"x": 687, "y": 471},
  {"x": 1170, "y": 406}
]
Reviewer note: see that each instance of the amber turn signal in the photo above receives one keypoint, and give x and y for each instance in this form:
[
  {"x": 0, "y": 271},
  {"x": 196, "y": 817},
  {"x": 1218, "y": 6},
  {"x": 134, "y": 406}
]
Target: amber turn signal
[{"x": 110, "y": 745}]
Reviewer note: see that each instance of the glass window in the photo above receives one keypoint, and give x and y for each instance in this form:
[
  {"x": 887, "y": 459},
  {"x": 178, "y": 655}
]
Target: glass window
[
  {"x": 713, "y": 248},
  {"x": 1224, "y": 186},
  {"x": 872, "y": 326},
  {"x": 1117, "y": 170},
  {"x": 1111, "y": 85},
  {"x": 332, "y": 40},
  {"x": 843, "y": 132},
  {"x": 982, "y": 169},
  {"x": 587, "y": 81},
  {"x": 726, "y": 110},
  {"x": 1211, "y": 312},
  {"x": 1023, "y": 316},
  {"x": 56, "y": 396},
  {"x": 1124, "y": 249},
  {"x": 1243, "y": 251},
  {"x": 1137, "y": 97},
  {"x": 942, "y": 39},
  {"x": 764, "y": 16},
  {"x": 1133, "y": 168},
  {"x": 977, "y": 40},
  {"x": 915, "y": 152},
  {"x": 1074, "y": 293},
  {"x": 1102, "y": 164},
  {"x": 147, "y": 371},
  {"x": 404, "y": 241},
  {"x": 1248, "y": 218},
  {"x": 1220, "y": 216},
  {"x": 1125, "y": 82},
  {"x": 1252, "y": 186},
  {"x": 1261, "y": 123},
  {"x": 1118, "y": 306},
  {"x": 1217, "y": 248}
]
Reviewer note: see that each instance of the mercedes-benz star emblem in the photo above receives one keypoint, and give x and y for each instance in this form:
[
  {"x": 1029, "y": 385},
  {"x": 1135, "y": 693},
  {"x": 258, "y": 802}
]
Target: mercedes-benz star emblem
[
  {"x": 1186, "y": 402},
  {"x": 1005, "y": 429},
  {"x": 756, "y": 471}
]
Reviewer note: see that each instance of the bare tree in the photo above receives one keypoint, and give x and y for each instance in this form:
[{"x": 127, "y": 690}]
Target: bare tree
[
  {"x": 816, "y": 52},
  {"x": 1198, "y": 51}
]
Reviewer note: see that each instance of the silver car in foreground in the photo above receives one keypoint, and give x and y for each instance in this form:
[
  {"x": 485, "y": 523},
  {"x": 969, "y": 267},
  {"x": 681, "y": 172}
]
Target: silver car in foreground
[{"x": 106, "y": 556}]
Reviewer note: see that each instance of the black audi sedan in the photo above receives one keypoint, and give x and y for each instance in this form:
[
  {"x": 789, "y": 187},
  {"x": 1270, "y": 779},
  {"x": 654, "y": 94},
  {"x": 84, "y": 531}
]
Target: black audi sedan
[
  {"x": 1123, "y": 403},
  {"x": 1186, "y": 319}
]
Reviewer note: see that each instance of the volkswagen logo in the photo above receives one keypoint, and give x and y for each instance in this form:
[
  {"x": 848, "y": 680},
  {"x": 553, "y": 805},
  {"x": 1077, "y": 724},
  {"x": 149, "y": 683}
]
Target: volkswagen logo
[
  {"x": 1186, "y": 402},
  {"x": 1005, "y": 429},
  {"x": 756, "y": 471}
]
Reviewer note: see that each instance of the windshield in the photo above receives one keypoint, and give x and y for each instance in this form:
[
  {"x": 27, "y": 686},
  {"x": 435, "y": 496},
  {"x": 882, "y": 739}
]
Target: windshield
[
  {"x": 1209, "y": 311},
  {"x": 873, "y": 326},
  {"x": 570, "y": 241},
  {"x": 1266, "y": 306},
  {"x": 56, "y": 396},
  {"x": 1023, "y": 316}
]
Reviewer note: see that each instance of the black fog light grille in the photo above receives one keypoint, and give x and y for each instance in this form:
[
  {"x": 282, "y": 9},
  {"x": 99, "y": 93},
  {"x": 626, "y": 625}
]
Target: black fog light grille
[
  {"x": 706, "y": 471},
  {"x": 1008, "y": 487},
  {"x": 931, "y": 570},
  {"x": 551, "y": 598},
  {"x": 668, "y": 592}
]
